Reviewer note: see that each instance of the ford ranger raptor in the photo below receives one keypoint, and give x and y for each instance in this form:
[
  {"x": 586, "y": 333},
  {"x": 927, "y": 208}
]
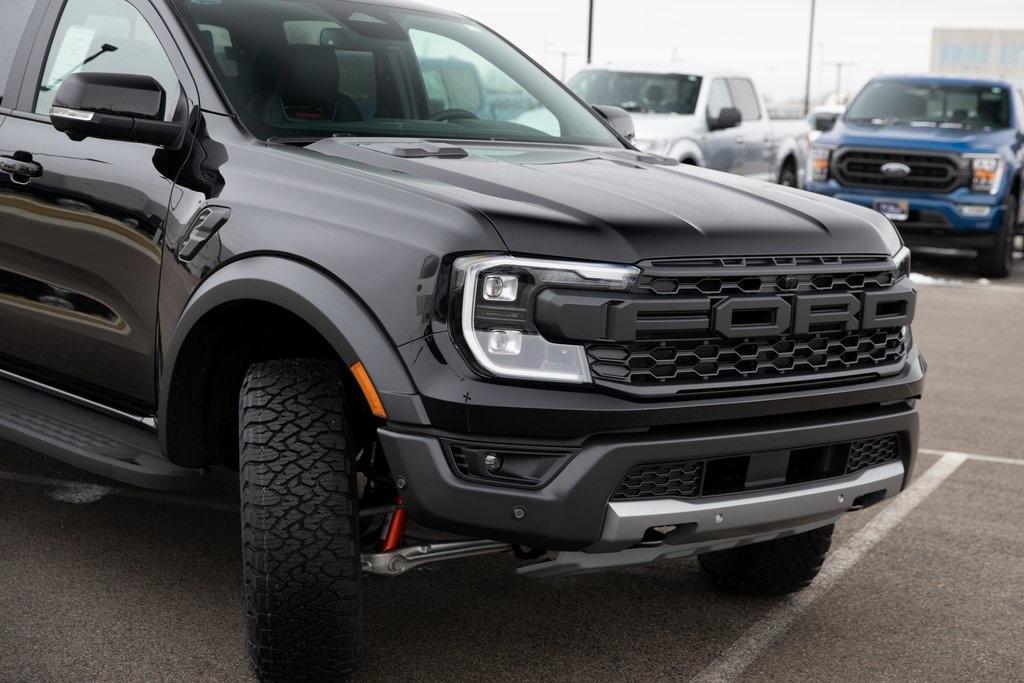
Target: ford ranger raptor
[{"x": 276, "y": 238}]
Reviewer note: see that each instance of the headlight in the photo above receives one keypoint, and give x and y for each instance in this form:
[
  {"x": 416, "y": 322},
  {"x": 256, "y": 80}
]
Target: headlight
[
  {"x": 986, "y": 172},
  {"x": 902, "y": 261},
  {"x": 817, "y": 164},
  {"x": 495, "y": 297}
]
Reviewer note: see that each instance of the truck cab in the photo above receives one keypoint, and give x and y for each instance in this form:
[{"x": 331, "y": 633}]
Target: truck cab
[
  {"x": 716, "y": 119},
  {"x": 939, "y": 156}
]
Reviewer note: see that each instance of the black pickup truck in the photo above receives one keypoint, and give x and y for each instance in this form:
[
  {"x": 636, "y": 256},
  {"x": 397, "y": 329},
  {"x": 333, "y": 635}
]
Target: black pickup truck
[{"x": 257, "y": 235}]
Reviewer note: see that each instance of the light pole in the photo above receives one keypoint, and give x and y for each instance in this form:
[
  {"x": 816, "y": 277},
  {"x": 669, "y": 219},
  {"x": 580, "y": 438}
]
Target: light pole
[
  {"x": 839, "y": 76},
  {"x": 810, "y": 56},
  {"x": 590, "y": 33}
]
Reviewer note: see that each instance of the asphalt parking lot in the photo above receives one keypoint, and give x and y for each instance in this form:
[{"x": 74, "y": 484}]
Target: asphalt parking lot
[{"x": 99, "y": 582}]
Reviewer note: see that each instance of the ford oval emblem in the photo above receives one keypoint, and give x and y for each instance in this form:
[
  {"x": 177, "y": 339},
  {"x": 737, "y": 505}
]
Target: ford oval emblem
[{"x": 895, "y": 170}]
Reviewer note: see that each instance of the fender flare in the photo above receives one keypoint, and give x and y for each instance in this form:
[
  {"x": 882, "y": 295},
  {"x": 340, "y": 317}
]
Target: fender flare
[{"x": 326, "y": 305}]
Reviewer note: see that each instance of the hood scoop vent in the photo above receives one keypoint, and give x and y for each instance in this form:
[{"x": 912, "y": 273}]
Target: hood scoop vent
[{"x": 417, "y": 149}]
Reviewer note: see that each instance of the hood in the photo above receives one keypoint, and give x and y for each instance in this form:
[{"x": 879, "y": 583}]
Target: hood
[
  {"x": 618, "y": 205},
  {"x": 663, "y": 126},
  {"x": 905, "y": 136}
]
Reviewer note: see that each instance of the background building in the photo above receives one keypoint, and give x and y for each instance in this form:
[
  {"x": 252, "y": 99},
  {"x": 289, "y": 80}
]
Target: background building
[{"x": 978, "y": 52}]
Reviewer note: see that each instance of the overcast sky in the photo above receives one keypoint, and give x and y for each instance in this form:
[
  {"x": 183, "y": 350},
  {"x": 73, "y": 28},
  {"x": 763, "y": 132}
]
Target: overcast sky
[{"x": 767, "y": 38}]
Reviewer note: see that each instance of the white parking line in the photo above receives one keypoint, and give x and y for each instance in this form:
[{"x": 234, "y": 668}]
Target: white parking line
[
  {"x": 950, "y": 283},
  {"x": 975, "y": 456},
  {"x": 734, "y": 661},
  {"x": 64, "y": 485}
]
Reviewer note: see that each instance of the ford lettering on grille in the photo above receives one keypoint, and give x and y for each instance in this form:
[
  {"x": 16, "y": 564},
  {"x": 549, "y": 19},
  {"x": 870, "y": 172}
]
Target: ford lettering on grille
[{"x": 693, "y": 323}]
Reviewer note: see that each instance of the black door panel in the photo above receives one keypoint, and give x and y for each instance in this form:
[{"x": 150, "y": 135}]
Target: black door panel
[
  {"x": 82, "y": 223},
  {"x": 80, "y": 261}
]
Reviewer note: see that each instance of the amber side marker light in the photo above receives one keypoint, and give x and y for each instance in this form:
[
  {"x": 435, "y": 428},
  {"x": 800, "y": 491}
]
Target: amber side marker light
[{"x": 369, "y": 391}]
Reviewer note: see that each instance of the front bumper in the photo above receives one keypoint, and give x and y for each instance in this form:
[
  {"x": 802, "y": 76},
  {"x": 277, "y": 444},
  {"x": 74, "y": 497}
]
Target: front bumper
[
  {"x": 573, "y": 512},
  {"x": 935, "y": 220}
]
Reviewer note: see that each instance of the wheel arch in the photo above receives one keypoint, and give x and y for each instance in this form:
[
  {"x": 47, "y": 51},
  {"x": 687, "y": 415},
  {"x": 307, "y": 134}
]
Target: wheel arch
[
  {"x": 688, "y": 152},
  {"x": 250, "y": 310}
]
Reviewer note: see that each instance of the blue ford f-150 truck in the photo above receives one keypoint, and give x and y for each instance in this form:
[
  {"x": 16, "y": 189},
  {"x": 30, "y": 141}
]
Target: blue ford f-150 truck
[{"x": 941, "y": 157}]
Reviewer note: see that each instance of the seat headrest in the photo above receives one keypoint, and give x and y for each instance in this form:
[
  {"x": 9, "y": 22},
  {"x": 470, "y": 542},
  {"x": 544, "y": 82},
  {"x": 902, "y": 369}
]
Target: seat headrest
[
  {"x": 310, "y": 77},
  {"x": 206, "y": 42}
]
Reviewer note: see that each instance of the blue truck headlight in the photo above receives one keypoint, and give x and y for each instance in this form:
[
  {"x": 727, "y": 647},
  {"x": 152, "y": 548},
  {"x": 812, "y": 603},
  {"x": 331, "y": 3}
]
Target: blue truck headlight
[
  {"x": 495, "y": 297},
  {"x": 818, "y": 162},
  {"x": 986, "y": 172}
]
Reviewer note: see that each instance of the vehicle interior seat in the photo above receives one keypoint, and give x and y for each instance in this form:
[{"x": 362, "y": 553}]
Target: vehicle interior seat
[{"x": 299, "y": 84}]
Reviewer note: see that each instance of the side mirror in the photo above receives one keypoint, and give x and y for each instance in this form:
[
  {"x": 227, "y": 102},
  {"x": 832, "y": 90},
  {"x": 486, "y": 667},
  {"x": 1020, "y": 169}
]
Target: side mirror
[
  {"x": 114, "y": 107},
  {"x": 619, "y": 119},
  {"x": 729, "y": 117},
  {"x": 825, "y": 123}
]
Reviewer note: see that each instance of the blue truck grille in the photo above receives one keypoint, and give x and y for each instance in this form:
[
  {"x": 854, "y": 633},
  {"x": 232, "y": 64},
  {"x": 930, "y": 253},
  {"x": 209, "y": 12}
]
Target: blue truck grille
[{"x": 940, "y": 173}]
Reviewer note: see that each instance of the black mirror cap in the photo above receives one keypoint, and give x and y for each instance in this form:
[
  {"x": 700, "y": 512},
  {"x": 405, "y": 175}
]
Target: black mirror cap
[
  {"x": 139, "y": 97},
  {"x": 122, "y": 107},
  {"x": 729, "y": 117},
  {"x": 824, "y": 123},
  {"x": 620, "y": 119}
]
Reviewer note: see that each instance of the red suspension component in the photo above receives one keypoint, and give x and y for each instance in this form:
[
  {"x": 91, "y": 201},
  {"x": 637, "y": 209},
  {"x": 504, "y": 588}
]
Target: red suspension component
[{"x": 394, "y": 528}]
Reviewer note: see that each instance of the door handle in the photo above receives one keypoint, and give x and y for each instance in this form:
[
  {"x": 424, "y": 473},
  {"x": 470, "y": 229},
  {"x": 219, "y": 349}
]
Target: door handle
[
  {"x": 20, "y": 167},
  {"x": 740, "y": 140}
]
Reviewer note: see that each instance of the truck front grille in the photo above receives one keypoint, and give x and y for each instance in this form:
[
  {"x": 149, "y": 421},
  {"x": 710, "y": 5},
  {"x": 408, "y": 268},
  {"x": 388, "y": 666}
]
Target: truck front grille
[
  {"x": 760, "y": 471},
  {"x": 705, "y": 360},
  {"x": 928, "y": 172},
  {"x": 668, "y": 356}
]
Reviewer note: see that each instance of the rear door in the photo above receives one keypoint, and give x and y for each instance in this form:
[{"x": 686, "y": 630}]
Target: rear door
[
  {"x": 755, "y": 133},
  {"x": 81, "y": 239}
]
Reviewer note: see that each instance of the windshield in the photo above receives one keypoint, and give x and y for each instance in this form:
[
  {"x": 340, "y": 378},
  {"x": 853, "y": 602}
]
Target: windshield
[
  {"x": 932, "y": 104},
  {"x": 649, "y": 93},
  {"x": 304, "y": 69}
]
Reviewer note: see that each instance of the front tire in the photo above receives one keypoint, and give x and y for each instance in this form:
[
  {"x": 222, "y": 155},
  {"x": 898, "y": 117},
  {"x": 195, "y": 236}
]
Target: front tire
[
  {"x": 777, "y": 567},
  {"x": 997, "y": 262},
  {"x": 788, "y": 177},
  {"x": 300, "y": 523}
]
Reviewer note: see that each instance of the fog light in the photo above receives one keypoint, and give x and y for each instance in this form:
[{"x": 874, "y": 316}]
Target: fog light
[
  {"x": 501, "y": 288},
  {"x": 505, "y": 342},
  {"x": 492, "y": 462},
  {"x": 973, "y": 211}
]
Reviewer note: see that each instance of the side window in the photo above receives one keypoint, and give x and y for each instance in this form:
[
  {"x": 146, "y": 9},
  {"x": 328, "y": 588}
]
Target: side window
[
  {"x": 1020, "y": 110},
  {"x": 746, "y": 98},
  {"x": 105, "y": 36},
  {"x": 719, "y": 98},
  {"x": 12, "y": 27}
]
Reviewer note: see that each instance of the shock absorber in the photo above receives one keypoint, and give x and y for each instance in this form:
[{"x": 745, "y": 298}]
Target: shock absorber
[{"x": 393, "y": 530}]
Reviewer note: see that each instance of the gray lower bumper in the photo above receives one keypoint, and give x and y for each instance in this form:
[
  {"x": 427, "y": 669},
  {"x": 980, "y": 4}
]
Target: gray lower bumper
[{"x": 721, "y": 523}]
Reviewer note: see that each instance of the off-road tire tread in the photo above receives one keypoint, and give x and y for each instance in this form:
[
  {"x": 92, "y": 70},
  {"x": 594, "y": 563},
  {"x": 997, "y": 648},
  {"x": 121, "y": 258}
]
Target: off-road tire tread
[
  {"x": 300, "y": 531},
  {"x": 777, "y": 567}
]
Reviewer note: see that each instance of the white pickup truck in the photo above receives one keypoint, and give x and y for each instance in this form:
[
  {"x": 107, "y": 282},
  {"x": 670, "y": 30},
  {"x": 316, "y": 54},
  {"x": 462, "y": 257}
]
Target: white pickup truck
[{"x": 715, "y": 119}]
